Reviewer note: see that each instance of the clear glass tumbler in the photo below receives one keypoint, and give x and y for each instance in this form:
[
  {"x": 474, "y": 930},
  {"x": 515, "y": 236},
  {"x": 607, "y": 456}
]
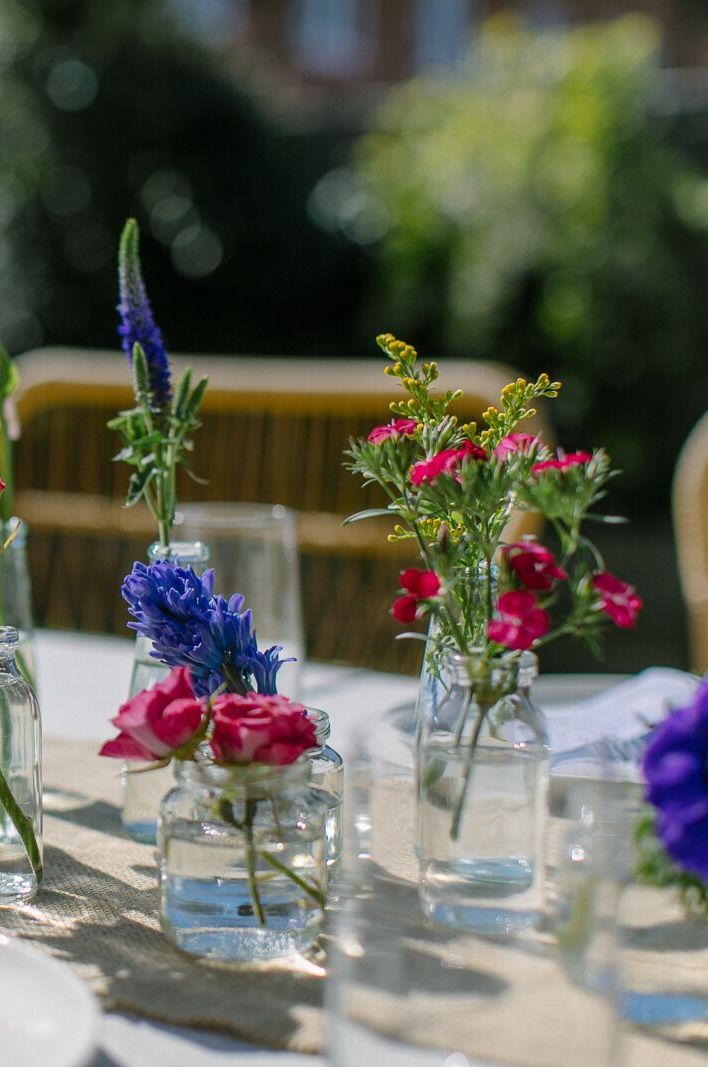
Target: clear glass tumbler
[
  {"x": 254, "y": 551},
  {"x": 406, "y": 992}
]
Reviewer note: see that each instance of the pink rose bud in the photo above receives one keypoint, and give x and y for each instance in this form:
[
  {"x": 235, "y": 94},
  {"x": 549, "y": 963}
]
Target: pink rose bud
[
  {"x": 260, "y": 729},
  {"x": 158, "y": 721}
]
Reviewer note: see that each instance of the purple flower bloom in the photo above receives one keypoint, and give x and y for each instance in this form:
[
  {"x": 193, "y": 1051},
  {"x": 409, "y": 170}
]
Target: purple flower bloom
[
  {"x": 676, "y": 771},
  {"x": 137, "y": 324},
  {"x": 190, "y": 626}
]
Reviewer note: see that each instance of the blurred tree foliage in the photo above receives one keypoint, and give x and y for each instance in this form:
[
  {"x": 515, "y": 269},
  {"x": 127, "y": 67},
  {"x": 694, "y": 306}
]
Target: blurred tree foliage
[
  {"x": 535, "y": 211},
  {"x": 108, "y": 112}
]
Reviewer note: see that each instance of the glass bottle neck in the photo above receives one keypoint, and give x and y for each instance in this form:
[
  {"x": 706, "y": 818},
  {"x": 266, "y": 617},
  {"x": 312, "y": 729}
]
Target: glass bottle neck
[
  {"x": 9, "y": 640},
  {"x": 320, "y": 720},
  {"x": 496, "y": 676},
  {"x": 185, "y": 553}
]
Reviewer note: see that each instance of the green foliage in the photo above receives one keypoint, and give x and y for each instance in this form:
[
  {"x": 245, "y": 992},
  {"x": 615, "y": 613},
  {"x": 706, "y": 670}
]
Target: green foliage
[
  {"x": 654, "y": 867},
  {"x": 537, "y": 213},
  {"x": 154, "y": 451}
]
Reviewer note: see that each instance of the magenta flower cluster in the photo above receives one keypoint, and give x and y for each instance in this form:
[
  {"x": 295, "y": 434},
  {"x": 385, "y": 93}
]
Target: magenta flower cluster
[{"x": 519, "y": 619}]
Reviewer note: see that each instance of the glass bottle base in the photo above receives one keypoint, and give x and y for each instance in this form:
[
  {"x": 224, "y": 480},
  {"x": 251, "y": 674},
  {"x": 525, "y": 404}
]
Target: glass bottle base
[
  {"x": 17, "y": 888},
  {"x": 234, "y": 932},
  {"x": 478, "y": 895}
]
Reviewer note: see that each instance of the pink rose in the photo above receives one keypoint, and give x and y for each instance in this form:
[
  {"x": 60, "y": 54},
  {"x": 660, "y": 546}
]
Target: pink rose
[
  {"x": 563, "y": 462},
  {"x": 515, "y": 442},
  {"x": 618, "y": 599},
  {"x": 520, "y": 621},
  {"x": 533, "y": 565},
  {"x": 2, "y": 484},
  {"x": 419, "y": 585},
  {"x": 260, "y": 729},
  {"x": 158, "y": 721},
  {"x": 445, "y": 462},
  {"x": 404, "y": 427}
]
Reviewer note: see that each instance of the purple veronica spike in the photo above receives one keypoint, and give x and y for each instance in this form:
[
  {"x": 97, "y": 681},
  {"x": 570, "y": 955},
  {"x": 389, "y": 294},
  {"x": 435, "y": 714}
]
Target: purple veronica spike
[
  {"x": 137, "y": 323},
  {"x": 676, "y": 771},
  {"x": 191, "y": 627}
]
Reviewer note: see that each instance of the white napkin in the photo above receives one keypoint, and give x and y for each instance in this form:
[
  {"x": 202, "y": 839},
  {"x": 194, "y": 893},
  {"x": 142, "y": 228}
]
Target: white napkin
[{"x": 612, "y": 728}]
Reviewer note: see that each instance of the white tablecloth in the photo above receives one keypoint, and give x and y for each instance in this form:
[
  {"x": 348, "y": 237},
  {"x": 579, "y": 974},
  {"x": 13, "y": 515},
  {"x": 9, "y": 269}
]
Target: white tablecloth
[{"x": 83, "y": 679}]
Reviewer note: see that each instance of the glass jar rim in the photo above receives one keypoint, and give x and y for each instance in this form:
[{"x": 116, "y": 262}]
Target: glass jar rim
[
  {"x": 320, "y": 720},
  {"x": 245, "y": 779},
  {"x": 9, "y": 640},
  {"x": 180, "y": 552}
]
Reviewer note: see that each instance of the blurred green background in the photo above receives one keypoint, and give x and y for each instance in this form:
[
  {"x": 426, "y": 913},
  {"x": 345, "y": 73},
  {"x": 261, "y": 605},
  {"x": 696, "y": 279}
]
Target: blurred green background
[{"x": 525, "y": 183}]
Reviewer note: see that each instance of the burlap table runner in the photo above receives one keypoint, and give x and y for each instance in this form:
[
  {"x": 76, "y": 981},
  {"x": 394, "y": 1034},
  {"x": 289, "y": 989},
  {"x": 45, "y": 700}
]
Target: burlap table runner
[
  {"x": 509, "y": 1002},
  {"x": 97, "y": 910}
]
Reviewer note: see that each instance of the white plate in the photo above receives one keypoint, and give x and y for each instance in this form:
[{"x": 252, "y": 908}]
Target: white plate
[{"x": 48, "y": 1017}]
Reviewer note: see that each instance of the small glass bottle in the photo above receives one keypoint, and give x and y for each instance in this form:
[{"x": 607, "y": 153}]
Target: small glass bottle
[
  {"x": 483, "y": 778},
  {"x": 20, "y": 779},
  {"x": 328, "y": 776},
  {"x": 242, "y": 860},
  {"x": 16, "y": 596},
  {"x": 142, "y": 792}
]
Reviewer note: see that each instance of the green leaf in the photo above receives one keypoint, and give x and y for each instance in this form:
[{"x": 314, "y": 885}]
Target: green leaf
[
  {"x": 195, "y": 399},
  {"x": 610, "y": 520},
  {"x": 194, "y": 477},
  {"x": 137, "y": 485},
  {"x": 9, "y": 376},
  {"x": 182, "y": 395},
  {"x": 370, "y": 513}
]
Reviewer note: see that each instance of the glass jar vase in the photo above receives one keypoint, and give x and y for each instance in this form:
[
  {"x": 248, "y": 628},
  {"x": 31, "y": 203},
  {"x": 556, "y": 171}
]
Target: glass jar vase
[
  {"x": 142, "y": 792},
  {"x": 483, "y": 785},
  {"x": 242, "y": 860},
  {"x": 20, "y": 779},
  {"x": 328, "y": 778}
]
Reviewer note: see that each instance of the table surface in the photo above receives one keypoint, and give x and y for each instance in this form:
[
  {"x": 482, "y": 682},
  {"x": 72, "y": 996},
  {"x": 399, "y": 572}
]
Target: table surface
[{"x": 83, "y": 678}]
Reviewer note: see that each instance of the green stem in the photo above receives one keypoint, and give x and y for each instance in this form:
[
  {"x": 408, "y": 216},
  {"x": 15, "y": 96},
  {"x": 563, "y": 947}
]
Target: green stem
[
  {"x": 251, "y": 807},
  {"x": 459, "y": 806},
  {"x": 311, "y": 890},
  {"x": 6, "y": 500},
  {"x": 23, "y": 825},
  {"x": 234, "y": 681}
]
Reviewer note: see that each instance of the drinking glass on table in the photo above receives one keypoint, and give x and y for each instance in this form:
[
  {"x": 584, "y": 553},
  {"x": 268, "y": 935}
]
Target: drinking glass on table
[
  {"x": 254, "y": 551},
  {"x": 405, "y": 992}
]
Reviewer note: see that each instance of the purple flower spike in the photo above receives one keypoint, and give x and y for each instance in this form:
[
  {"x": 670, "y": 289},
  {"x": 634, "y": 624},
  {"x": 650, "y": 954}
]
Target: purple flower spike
[
  {"x": 190, "y": 626},
  {"x": 676, "y": 771},
  {"x": 137, "y": 324}
]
